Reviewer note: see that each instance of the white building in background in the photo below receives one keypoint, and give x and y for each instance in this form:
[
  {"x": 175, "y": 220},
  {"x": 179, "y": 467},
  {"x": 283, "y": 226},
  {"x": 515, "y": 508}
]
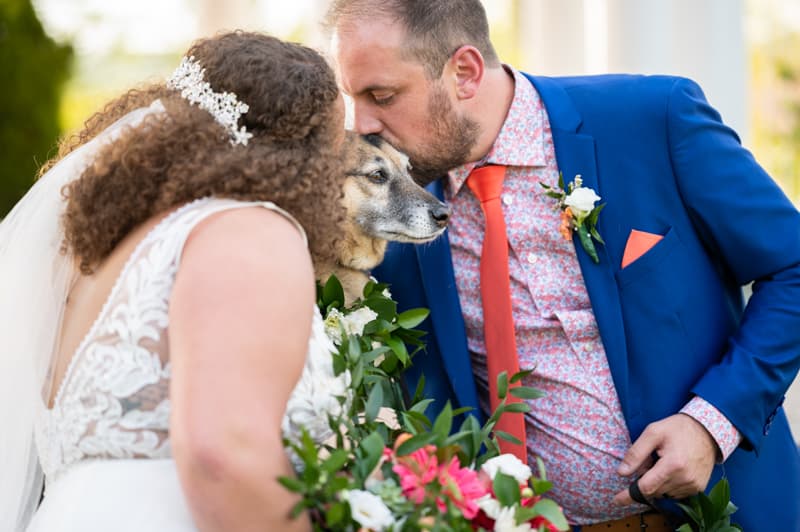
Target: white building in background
[{"x": 700, "y": 39}]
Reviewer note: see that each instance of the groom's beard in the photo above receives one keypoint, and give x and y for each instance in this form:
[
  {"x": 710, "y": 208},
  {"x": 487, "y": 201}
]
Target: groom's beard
[{"x": 450, "y": 140}]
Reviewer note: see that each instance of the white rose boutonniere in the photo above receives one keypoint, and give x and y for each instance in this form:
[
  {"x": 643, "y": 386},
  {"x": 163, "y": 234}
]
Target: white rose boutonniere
[{"x": 578, "y": 212}]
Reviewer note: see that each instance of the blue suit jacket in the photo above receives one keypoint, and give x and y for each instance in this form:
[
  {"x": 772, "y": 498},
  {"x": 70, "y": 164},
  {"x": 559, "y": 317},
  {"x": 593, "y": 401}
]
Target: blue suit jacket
[{"x": 672, "y": 322}]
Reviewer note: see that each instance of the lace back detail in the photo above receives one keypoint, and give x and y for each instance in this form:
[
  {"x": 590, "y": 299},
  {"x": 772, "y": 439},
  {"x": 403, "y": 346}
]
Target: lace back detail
[{"x": 114, "y": 398}]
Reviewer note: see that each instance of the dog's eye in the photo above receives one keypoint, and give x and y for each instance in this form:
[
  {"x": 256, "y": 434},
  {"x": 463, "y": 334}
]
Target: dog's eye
[{"x": 378, "y": 176}]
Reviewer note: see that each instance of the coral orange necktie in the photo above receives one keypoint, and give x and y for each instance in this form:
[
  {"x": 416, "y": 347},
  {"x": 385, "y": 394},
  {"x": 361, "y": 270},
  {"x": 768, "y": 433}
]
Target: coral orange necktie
[{"x": 498, "y": 322}]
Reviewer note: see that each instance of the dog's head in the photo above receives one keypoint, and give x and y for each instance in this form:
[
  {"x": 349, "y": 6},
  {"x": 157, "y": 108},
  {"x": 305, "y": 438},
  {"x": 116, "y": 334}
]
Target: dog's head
[{"x": 383, "y": 200}]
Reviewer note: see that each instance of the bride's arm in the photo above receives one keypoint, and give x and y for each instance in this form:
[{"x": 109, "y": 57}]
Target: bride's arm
[{"x": 240, "y": 317}]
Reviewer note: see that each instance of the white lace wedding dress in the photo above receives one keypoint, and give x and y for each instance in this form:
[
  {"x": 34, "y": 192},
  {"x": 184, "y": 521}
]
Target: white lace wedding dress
[{"x": 104, "y": 446}]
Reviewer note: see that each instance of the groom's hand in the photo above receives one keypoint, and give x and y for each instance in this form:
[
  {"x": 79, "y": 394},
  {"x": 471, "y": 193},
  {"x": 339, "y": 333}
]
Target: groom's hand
[{"x": 686, "y": 454}]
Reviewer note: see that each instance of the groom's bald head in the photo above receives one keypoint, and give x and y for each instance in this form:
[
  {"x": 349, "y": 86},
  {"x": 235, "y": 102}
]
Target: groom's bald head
[{"x": 434, "y": 28}]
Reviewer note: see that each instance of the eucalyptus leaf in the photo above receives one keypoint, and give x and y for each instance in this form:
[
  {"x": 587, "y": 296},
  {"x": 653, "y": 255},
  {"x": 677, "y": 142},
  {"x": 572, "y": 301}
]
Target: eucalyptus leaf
[
  {"x": 507, "y": 437},
  {"x": 502, "y": 384},
  {"x": 517, "y": 408},
  {"x": 374, "y": 403},
  {"x": 526, "y": 392},
  {"x": 518, "y": 376}
]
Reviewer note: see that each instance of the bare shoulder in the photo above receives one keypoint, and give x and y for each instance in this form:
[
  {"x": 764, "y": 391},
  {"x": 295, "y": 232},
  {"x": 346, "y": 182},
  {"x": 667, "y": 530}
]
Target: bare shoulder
[
  {"x": 253, "y": 238},
  {"x": 242, "y": 253}
]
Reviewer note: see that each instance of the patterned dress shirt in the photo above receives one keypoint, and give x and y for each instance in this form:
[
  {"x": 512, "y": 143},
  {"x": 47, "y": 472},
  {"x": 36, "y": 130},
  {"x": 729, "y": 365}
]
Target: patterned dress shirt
[{"x": 577, "y": 428}]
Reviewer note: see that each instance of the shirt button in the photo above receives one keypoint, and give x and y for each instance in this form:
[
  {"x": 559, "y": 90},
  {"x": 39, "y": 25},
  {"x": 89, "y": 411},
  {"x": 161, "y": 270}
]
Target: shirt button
[
  {"x": 508, "y": 199},
  {"x": 531, "y": 258}
]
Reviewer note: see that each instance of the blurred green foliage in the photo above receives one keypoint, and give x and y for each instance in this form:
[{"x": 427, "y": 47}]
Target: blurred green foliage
[
  {"x": 775, "y": 66},
  {"x": 34, "y": 69}
]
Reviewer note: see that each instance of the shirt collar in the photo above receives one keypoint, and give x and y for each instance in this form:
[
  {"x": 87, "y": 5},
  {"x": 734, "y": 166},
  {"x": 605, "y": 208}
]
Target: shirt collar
[{"x": 521, "y": 138}]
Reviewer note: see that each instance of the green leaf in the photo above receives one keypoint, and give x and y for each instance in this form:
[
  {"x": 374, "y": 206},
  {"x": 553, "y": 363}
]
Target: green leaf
[
  {"x": 524, "y": 514},
  {"x": 298, "y": 508},
  {"x": 374, "y": 403},
  {"x": 684, "y": 528},
  {"x": 413, "y": 317},
  {"x": 335, "y": 514},
  {"x": 399, "y": 349},
  {"x": 720, "y": 496},
  {"x": 695, "y": 514},
  {"x": 371, "y": 449},
  {"x": 596, "y": 235},
  {"x": 502, "y": 384},
  {"x": 292, "y": 484},
  {"x": 561, "y": 181},
  {"x": 594, "y": 214},
  {"x": 541, "y": 486},
  {"x": 507, "y": 437},
  {"x": 419, "y": 393},
  {"x": 385, "y": 308},
  {"x": 518, "y": 376},
  {"x": 526, "y": 392},
  {"x": 586, "y": 242},
  {"x": 415, "y": 442},
  {"x": 516, "y": 408},
  {"x": 415, "y": 422},
  {"x": 444, "y": 422},
  {"x": 421, "y": 406},
  {"x": 541, "y": 468},
  {"x": 506, "y": 489},
  {"x": 548, "y": 509},
  {"x": 335, "y": 461},
  {"x": 333, "y": 292}
]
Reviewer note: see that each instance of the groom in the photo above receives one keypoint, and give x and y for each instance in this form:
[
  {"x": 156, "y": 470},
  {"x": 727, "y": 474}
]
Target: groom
[{"x": 650, "y": 361}]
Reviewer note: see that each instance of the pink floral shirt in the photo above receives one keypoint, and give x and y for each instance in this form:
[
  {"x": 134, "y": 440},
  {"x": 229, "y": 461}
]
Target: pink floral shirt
[{"x": 577, "y": 428}]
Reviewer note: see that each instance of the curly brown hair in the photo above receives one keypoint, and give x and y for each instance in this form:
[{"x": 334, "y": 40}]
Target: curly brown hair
[{"x": 182, "y": 154}]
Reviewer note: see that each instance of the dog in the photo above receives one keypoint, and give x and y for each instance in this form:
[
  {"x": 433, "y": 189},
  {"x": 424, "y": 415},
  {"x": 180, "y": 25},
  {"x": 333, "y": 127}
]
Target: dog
[{"x": 383, "y": 204}]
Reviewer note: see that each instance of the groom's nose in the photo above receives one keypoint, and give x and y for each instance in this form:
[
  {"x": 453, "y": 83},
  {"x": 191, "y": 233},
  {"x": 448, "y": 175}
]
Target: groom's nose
[{"x": 364, "y": 121}]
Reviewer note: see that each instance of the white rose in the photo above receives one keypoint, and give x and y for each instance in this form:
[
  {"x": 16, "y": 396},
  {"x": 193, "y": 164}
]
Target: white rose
[
  {"x": 355, "y": 321},
  {"x": 490, "y": 506},
  {"x": 508, "y": 464},
  {"x": 368, "y": 510},
  {"x": 506, "y": 521},
  {"x": 314, "y": 397},
  {"x": 581, "y": 201}
]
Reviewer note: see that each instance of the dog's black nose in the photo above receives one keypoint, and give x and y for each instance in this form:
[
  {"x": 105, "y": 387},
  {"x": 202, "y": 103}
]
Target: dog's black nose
[{"x": 440, "y": 214}]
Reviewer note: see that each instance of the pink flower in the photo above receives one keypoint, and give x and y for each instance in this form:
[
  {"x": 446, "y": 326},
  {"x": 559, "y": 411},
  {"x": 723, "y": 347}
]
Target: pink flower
[
  {"x": 461, "y": 486},
  {"x": 416, "y": 470}
]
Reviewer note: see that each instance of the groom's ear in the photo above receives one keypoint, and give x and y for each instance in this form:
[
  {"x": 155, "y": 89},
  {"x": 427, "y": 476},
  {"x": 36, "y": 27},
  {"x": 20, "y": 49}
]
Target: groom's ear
[{"x": 466, "y": 67}]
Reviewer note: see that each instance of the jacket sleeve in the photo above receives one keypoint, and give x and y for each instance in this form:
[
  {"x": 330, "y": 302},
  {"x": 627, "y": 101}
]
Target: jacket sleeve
[{"x": 753, "y": 231}]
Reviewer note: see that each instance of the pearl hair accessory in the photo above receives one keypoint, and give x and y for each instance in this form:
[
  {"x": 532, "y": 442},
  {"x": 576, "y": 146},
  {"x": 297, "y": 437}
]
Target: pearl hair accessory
[{"x": 225, "y": 107}]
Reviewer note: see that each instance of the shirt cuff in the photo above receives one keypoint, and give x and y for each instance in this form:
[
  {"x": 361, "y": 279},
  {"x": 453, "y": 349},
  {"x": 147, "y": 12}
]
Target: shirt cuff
[{"x": 724, "y": 433}]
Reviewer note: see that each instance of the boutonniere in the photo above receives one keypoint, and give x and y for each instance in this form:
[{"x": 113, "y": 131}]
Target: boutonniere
[{"x": 578, "y": 212}]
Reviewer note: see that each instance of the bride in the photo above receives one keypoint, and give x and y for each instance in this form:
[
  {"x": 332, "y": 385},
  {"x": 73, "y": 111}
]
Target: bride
[{"x": 158, "y": 299}]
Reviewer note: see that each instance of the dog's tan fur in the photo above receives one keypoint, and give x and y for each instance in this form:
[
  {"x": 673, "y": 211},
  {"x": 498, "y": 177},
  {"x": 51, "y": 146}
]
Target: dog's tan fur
[{"x": 383, "y": 204}]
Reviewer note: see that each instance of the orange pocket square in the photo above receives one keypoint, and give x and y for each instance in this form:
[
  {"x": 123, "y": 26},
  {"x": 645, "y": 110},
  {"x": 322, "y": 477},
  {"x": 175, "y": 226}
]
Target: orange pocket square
[{"x": 639, "y": 242}]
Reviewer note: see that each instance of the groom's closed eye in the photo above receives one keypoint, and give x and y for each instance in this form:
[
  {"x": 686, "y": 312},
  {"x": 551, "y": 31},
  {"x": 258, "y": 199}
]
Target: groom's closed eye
[{"x": 382, "y": 99}]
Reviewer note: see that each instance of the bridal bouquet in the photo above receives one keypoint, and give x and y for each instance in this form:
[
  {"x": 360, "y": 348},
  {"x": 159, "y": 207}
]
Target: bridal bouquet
[{"x": 383, "y": 462}]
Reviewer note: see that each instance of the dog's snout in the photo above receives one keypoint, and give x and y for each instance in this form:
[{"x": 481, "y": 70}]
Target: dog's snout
[{"x": 440, "y": 214}]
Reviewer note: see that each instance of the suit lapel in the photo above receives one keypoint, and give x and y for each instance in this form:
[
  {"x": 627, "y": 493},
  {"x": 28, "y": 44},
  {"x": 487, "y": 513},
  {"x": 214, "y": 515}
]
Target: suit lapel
[
  {"x": 575, "y": 154},
  {"x": 438, "y": 278}
]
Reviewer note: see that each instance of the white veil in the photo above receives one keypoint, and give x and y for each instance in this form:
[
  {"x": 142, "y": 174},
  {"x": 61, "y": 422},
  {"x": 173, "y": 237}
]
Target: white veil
[{"x": 35, "y": 278}]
